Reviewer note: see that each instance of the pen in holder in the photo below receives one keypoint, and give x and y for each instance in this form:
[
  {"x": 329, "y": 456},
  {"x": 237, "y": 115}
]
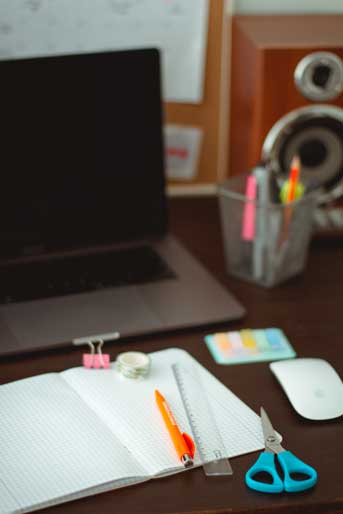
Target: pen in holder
[{"x": 277, "y": 246}]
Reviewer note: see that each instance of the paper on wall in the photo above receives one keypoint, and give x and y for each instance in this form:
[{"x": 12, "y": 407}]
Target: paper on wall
[
  {"x": 182, "y": 149},
  {"x": 49, "y": 27}
]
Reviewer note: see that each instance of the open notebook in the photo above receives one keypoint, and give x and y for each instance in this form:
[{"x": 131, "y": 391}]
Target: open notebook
[{"x": 80, "y": 432}]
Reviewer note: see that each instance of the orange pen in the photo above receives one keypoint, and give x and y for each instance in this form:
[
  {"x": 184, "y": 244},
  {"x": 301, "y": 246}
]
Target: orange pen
[{"x": 183, "y": 443}]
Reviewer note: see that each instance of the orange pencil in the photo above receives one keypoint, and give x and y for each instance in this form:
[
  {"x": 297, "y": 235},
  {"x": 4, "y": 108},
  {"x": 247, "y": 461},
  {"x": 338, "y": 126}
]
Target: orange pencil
[
  {"x": 290, "y": 196},
  {"x": 293, "y": 178},
  {"x": 183, "y": 443}
]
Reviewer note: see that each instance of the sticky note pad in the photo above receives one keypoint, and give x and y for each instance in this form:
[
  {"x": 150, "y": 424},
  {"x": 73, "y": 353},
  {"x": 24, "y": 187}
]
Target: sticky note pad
[{"x": 249, "y": 346}]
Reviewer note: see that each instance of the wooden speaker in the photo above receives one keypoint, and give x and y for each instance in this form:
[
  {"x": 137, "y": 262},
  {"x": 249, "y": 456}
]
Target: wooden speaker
[{"x": 287, "y": 94}]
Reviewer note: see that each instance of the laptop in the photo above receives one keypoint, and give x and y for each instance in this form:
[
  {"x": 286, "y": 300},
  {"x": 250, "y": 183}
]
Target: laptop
[{"x": 84, "y": 243}]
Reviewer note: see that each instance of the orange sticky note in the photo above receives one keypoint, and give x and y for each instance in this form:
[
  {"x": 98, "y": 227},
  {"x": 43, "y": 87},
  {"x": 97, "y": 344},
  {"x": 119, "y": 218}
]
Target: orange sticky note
[{"x": 223, "y": 343}]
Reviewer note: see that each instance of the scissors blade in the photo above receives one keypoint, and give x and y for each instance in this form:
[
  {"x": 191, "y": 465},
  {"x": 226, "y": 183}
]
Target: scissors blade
[
  {"x": 267, "y": 427},
  {"x": 271, "y": 439}
]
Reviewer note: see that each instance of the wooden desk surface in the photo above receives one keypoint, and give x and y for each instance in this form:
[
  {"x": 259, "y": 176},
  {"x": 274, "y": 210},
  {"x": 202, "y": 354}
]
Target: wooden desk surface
[{"x": 309, "y": 310}]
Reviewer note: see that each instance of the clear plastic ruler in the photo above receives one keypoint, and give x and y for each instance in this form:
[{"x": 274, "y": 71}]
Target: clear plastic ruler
[{"x": 208, "y": 440}]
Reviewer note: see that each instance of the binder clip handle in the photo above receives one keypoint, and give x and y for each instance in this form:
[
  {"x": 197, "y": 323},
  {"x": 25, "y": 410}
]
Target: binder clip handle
[{"x": 95, "y": 358}]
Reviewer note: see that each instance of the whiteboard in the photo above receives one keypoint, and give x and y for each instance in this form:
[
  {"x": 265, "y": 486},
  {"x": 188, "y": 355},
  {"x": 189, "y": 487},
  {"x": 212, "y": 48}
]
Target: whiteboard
[{"x": 30, "y": 28}]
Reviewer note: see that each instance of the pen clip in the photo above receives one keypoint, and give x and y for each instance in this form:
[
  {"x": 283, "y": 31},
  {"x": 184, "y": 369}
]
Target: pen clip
[{"x": 189, "y": 443}]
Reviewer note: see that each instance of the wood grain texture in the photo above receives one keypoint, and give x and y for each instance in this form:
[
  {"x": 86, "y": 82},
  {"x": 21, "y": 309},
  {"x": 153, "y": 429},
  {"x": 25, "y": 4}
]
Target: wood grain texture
[
  {"x": 205, "y": 115},
  {"x": 265, "y": 52},
  {"x": 309, "y": 310}
]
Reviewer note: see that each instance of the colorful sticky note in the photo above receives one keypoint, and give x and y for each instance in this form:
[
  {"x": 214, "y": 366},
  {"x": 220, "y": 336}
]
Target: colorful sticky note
[{"x": 249, "y": 346}]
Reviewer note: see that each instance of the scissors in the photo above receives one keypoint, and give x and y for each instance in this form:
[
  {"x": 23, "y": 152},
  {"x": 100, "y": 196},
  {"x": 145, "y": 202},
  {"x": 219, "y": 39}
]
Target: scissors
[{"x": 289, "y": 463}]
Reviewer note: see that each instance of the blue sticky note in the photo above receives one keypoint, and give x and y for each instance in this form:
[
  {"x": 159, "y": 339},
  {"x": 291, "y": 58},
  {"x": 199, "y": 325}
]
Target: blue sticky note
[{"x": 277, "y": 339}]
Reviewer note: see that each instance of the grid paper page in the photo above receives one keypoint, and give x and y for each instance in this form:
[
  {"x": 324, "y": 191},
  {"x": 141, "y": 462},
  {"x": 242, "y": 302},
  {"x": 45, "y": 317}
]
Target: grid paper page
[
  {"x": 128, "y": 407},
  {"x": 8, "y": 504},
  {"x": 52, "y": 444}
]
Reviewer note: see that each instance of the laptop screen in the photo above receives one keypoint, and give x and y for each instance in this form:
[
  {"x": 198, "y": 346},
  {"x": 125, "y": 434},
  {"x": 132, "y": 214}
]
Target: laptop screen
[{"x": 81, "y": 153}]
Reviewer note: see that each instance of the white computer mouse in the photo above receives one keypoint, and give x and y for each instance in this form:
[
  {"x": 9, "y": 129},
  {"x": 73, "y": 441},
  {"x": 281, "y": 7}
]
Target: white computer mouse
[{"x": 313, "y": 387}]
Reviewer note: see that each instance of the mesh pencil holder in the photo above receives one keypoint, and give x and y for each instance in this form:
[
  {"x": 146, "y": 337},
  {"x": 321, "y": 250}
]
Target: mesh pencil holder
[{"x": 275, "y": 247}]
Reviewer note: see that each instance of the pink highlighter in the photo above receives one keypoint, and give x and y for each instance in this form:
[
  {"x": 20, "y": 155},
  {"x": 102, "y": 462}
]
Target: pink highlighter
[{"x": 249, "y": 215}]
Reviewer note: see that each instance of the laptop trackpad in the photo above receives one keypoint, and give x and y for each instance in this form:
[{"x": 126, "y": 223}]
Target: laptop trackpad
[{"x": 44, "y": 323}]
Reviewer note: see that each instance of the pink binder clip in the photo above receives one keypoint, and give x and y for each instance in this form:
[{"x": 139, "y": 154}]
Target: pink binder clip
[{"x": 96, "y": 360}]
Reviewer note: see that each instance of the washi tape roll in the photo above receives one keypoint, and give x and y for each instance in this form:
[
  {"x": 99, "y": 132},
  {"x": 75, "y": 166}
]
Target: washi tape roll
[{"x": 133, "y": 364}]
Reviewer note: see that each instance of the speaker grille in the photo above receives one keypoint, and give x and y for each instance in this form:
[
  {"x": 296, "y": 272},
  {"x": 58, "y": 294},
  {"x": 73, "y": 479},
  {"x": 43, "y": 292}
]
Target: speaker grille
[{"x": 315, "y": 133}]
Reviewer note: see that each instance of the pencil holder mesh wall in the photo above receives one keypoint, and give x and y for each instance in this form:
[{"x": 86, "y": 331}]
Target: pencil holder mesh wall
[{"x": 279, "y": 234}]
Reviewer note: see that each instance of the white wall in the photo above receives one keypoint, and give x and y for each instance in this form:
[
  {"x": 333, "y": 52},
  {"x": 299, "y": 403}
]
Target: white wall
[{"x": 287, "y": 6}]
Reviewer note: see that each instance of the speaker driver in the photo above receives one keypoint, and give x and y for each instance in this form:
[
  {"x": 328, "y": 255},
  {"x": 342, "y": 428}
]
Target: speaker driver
[
  {"x": 315, "y": 134},
  {"x": 319, "y": 76}
]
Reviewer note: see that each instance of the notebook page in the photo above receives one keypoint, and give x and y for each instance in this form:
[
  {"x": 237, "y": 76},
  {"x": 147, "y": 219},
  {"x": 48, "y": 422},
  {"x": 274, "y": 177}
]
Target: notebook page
[
  {"x": 8, "y": 503},
  {"x": 128, "y": 408},
  {"x": 53, "y": 445}
]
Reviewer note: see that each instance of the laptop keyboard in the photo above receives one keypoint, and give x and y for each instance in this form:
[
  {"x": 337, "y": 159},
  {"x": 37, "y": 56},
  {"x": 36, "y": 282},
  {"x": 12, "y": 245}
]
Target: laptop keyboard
[{"x": 60, "y": 277}]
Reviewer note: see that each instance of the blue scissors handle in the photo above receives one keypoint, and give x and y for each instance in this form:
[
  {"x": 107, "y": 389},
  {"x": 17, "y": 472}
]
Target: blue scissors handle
[
  {"x": 290, "y": 464},
  {"x": 264, "y": 464}
]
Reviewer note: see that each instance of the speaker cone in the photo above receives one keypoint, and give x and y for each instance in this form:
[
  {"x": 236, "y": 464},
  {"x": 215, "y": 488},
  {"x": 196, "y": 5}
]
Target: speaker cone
[{"x": 315, "y": 134}]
